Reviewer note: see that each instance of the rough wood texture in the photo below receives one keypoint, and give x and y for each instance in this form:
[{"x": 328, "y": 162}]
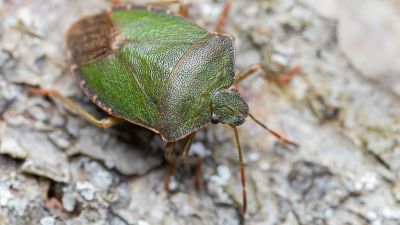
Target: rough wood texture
[{"x": 58, "y": 169}]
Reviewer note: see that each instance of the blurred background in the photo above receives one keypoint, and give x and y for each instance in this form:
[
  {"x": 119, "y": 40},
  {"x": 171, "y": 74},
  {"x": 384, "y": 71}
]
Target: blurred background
[{"x": 341, "y": 106}]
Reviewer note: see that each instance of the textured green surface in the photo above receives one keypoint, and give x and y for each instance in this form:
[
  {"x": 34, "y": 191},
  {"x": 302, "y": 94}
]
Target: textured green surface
[
  {"x": 230, "y": 107},
  {"x": 163, "y": 74},
  {"x": 148, "y": 25}
]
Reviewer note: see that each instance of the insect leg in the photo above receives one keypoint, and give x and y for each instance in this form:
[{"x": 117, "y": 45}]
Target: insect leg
[
  {"x": 72, "y": 106},
  {"x": 197, "y": 179},
  {"x": 169, "y": 152},
  {"x": 169, "y": 155},
  {"x": 285, "y": 78},
  {"x": 220, "y": 23},
  {"x": 183, "y": 154},
  {"x": 242, "y": 174},
  {"x": 183, "y": 8},
  {"x": 197, "y": 161},
  {"x": 173, "y": 161},
  {"x": 249, "y": 71},
  {"x": 280, "y": 80},
  {"x": 282, "y": 138}
]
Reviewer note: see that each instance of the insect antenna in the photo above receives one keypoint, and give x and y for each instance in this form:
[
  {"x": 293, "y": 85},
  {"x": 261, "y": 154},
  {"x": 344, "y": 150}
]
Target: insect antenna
[
  {"x": 282, "y": 138},
  {"x": 242, "y": 175}
]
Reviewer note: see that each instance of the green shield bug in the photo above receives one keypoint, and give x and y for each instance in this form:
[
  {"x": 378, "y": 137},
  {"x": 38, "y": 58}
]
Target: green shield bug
[{"x": 157, "y": 69}]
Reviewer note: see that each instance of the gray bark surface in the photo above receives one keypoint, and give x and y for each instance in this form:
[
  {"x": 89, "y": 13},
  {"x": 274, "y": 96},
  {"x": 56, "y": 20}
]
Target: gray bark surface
[{"x": 342, "y": 108}]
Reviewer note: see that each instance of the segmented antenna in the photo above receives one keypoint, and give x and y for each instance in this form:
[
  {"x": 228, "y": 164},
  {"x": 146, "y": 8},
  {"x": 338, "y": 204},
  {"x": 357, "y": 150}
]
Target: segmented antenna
[
  {"x": 242, "y": 175},
  {"x": 282, "y": 138}
]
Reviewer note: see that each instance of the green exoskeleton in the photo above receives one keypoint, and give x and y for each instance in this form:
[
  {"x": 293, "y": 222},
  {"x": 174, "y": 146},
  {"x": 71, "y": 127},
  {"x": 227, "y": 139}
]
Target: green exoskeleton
[{"x": 159, "y": 70}]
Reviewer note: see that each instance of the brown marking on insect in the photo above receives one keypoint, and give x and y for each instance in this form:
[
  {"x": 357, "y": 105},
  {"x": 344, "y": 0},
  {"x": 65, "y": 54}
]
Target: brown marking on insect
[
  {"x": 102, "y": 106},
  {"x": 91, "y": 38}
]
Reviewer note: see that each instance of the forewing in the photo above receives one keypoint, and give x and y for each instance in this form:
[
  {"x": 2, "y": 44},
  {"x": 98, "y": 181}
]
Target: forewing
[{"x": 114, "y": 86}]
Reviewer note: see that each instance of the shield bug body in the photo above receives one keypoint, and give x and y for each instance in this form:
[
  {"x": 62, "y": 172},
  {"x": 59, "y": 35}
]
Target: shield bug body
[{"x": 157, "y": 70}]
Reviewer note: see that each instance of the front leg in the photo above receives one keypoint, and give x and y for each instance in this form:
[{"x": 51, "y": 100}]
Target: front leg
[{"x": 281, "y": 81}]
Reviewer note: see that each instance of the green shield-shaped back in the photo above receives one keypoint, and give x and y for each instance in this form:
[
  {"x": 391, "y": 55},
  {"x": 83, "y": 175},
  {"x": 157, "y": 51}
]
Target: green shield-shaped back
[{"x": 151, "y": 68}]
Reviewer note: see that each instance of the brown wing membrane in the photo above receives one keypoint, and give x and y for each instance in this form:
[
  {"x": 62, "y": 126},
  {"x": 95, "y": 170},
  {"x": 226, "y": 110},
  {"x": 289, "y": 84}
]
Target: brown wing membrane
[{"x": 90, "y": 38}]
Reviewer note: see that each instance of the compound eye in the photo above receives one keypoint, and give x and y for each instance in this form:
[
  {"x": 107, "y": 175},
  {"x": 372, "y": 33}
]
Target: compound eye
[{"x": 214, "y": 119}]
